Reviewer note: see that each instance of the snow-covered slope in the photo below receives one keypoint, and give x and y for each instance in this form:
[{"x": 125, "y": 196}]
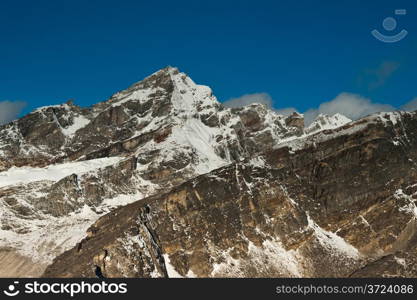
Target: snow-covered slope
[
  {"x": 326, "y": 122},
  {"x": 24, "y": 175}
]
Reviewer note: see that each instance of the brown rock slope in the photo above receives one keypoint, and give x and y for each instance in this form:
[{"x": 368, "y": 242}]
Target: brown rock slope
[
  {"x": 15, "y": 265},
  {"x": 335, "y": 204}
]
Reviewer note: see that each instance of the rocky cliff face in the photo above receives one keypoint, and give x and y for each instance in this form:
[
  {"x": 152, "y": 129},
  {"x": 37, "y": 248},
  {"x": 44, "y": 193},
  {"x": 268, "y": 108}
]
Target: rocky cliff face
[{"x": 162, "y": 181}]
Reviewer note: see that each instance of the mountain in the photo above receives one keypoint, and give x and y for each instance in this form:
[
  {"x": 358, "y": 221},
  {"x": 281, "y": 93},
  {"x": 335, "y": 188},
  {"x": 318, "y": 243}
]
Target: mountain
[{"x": 162, "y": 180}]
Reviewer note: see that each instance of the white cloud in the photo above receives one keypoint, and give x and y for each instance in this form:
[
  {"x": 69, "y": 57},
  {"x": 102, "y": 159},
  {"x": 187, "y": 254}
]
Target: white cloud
[
  {"x": 410, "y": 106},
  {"x": 247, "y": 99},
  {"x": 262, "y": 98},
  {"x": 285, "y": 111},
  {"x": 9, "y": 110},
  {"x": 373, "y": 78},
  {"x": 350, "y": 105}
]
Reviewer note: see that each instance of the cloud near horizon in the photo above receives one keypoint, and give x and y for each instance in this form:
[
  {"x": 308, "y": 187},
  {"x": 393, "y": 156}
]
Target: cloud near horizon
[
  {"x": 350, "y": 105},
  {"x": 373, "y": 78},
  {"x": 247, "y": 99},
  {"x": 410, "y": 106},
  {"x": 9, "y": 110},
  {"x": 262, "y": 98}
]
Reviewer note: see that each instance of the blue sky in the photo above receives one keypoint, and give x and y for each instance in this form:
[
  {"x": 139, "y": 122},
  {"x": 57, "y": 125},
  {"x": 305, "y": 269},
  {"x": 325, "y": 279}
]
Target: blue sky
[{"x": 297, "y": 53}]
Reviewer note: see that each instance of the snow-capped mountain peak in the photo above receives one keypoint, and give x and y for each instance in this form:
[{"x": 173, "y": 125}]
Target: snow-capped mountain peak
[{"x": 182, "y": 93}]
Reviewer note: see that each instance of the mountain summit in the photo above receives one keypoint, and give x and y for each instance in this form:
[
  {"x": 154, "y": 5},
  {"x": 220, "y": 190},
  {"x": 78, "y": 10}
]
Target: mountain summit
[{"x": 161, "y": 180}]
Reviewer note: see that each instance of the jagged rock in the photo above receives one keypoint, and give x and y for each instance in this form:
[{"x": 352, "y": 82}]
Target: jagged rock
[{"x": 295, "y": 120}]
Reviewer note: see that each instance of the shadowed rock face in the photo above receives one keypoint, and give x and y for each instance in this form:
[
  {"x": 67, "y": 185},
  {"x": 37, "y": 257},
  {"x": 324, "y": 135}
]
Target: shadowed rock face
[{"x": 334, "y": 204}]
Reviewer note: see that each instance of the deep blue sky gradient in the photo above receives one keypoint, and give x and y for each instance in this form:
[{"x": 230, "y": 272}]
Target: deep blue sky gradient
[{"x": 300, "y": 52}]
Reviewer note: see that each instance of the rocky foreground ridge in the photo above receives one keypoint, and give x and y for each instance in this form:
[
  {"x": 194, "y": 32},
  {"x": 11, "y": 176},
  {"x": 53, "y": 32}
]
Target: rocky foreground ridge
[{"x": 161, "y": 180}]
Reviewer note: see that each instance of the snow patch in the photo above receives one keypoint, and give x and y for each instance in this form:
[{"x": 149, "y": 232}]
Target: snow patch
[
  {"x": 270, "y": 254},
  {"x": 258, "y": 162},
  {"x": 332, "y": 241},
  {"x": 401, "y": 261},
  {"x": 78, "y": 123},
  {"x": 172, "y": 273},
  {"x": 24, "y": 175}
]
